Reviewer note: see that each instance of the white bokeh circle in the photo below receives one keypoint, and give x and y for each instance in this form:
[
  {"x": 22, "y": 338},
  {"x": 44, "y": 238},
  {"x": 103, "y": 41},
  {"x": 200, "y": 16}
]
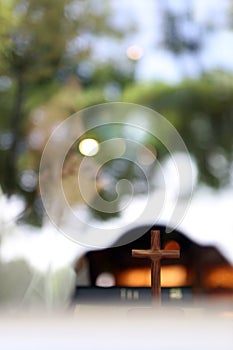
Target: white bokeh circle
[{"x": 133, "y": 125}]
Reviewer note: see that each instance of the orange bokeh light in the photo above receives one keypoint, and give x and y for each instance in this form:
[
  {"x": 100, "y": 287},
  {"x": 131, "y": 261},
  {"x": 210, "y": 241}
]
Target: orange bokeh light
[
  {"x": 171, "y": 276},
  {"x": 219, "y": 277}
]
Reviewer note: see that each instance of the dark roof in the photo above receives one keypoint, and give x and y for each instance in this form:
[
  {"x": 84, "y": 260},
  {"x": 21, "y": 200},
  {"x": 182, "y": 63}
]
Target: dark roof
[{"x": 120, "y": 257}]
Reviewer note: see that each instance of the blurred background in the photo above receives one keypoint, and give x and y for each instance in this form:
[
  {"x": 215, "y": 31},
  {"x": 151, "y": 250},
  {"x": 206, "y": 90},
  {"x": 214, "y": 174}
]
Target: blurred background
[{"x": 59, "y": 57}]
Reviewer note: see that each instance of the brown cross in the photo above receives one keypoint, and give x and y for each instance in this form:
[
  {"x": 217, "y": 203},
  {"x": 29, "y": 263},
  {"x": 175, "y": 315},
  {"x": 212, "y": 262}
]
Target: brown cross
[{"x": 155, "y": 254}]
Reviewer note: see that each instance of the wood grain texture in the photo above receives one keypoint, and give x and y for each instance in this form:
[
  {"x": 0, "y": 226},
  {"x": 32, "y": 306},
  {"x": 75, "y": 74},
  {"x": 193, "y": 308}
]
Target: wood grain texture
[{"x": 155, "y": 254}]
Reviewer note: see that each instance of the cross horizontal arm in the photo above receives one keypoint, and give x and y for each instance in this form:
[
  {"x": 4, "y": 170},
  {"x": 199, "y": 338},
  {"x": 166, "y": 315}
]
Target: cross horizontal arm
[
  {"x": 170, "y": 254},
  {"x": 142, "y": 253},
  {"x": 156, "y": 254}
]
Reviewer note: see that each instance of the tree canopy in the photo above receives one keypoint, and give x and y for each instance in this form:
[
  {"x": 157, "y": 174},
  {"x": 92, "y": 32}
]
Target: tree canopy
[
  {"x": 42, "y": 44},
  {"x": 201, "y": 110},
  {"x": 48, "y": 72}
]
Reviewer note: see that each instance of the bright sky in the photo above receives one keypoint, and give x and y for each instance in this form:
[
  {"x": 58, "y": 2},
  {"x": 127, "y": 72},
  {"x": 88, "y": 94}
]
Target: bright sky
[{"x": 161, "y": 65}]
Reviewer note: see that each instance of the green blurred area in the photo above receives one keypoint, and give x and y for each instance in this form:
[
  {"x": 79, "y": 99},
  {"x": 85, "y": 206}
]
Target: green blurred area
[{"x": 48, "y": 72}]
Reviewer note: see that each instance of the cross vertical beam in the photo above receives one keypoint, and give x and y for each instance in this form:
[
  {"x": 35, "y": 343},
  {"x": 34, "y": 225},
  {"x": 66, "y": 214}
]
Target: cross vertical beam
[{"x": 155, "y": 254}]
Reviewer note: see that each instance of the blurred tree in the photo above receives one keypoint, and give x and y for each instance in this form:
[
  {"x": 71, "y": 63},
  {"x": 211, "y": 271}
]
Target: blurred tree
[
  {"x": 202, "y": 112},
  {"x": 182, "y": 35},
  {"x": 179, "y": 39},
  {"x": 112, "y": 78},
  {"x": 42, "y": 43}
]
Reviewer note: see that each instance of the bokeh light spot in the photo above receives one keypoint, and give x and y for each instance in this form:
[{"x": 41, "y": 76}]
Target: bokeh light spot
[
  {"x": 134, "y": 52},
  {"x": 89, "y": 147},
  {"x": 105, "y": 279}
]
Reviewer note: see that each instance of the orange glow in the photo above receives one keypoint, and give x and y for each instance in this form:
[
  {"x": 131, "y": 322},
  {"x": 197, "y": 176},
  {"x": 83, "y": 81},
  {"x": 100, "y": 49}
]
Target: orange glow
[
  {"x": 172, "y": 245},
  {"x": 171, "y": 276},
  {"x": 174, "y": 276},
  {"x": 220, "y": 277},
  {"x": 138, "y": 277}
]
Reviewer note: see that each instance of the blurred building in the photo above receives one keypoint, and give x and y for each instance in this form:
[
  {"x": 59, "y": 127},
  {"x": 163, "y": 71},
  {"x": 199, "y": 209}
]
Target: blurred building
[{"x": 203, "y": 270}]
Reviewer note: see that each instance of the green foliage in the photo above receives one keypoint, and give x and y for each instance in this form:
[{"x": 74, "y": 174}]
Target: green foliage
[
  {"x": 40, "y": 38},
  {"x": 42, "y": 44},
  {"x": 110, "y": 76},
  {"x": 201, "y": 110}
]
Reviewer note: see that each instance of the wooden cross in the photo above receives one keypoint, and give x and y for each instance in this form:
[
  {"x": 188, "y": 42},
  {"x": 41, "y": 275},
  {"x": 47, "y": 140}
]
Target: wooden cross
[{"x": 155, "y": 254}]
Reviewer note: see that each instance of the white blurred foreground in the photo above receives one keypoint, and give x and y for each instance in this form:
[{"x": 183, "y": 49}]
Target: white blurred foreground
[
  {"x": 36, "y": 266},
  {"x": 120, "y": 328}
]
